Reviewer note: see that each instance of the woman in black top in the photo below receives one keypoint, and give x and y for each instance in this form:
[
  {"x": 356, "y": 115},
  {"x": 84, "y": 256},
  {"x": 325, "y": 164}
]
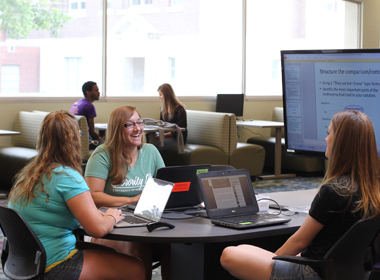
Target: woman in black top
[
  {"x": 173, "y": 111},
  {"x": 350, "y": 192}
]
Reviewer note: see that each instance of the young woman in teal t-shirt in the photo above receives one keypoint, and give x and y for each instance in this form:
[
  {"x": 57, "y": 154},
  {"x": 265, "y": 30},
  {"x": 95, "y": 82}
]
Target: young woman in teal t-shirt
[
  {"x": 51, "y": 195},
  {"x": 116, "y": 174}
]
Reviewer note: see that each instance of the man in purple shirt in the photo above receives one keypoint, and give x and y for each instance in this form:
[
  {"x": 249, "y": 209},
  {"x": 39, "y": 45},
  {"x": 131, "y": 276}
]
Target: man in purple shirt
[{"x": 84, "y": 107}]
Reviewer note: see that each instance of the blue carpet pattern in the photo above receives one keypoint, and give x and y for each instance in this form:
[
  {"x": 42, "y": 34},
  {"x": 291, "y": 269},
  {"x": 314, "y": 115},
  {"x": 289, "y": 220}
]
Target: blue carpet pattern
[
  {"x": 260, "y": 186},
  {"x": 286, "y": 185}
]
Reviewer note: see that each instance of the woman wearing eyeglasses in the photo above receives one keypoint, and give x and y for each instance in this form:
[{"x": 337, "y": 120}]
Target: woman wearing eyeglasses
[{"x": 117, "y": 171}]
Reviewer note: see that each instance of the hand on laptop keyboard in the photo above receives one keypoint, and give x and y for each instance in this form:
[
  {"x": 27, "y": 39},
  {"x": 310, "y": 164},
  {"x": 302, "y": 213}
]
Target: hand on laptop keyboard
[{"x": 114, "y": 213}]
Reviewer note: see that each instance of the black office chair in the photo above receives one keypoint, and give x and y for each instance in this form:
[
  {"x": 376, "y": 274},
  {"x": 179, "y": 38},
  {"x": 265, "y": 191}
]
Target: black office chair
[
  {"x": 375, "y": 274},
  {"x": 23, "y": 256},
  {"x": 351, "y": 256}
]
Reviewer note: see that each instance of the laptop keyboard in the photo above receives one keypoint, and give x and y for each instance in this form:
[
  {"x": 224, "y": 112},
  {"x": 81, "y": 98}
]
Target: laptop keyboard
[
  {"x": 248, "y": 218},
  {"x": 133, "y": 220}
]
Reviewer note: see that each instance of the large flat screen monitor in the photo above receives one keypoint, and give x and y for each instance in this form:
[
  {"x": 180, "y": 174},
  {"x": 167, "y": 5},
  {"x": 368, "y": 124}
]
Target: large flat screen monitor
[
  {"x": 230, "y": 103},
  {"x": 317, "y": 84}
]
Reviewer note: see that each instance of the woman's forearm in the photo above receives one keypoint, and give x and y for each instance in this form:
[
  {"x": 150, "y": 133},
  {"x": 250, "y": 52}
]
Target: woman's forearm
[
  {"x": 291, "y": 247},
  {"x": 102, "y": 199}
]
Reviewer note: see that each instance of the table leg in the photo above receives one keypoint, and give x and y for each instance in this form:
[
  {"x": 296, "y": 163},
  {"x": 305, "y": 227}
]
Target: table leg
[
  {"x": 277, "y": 160},
  {"x": 187, "y": 261},
  {"x": 201, "y": 261},
  {"x": 198, "y": 261},
  {"x": 151, "y": 137}
]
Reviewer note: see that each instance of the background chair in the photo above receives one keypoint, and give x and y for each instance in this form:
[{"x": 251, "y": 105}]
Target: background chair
[
  {"x": 351, "y": 256},
  {"x": 375, "y": 274},
  {"x": 23, "y": 256}
]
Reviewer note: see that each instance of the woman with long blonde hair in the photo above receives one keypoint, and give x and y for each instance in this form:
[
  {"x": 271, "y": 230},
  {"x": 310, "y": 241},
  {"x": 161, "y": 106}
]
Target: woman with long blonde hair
[
  {"x": 117, "y": 171},
  {"x": 52, "y": 196},
  {"x": 350, "y": 191}
]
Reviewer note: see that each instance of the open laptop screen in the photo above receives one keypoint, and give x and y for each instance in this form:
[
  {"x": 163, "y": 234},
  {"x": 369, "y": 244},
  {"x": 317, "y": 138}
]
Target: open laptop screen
[
  {"x": 153, "y": 199},
  {"x": 228, "y": 192}
]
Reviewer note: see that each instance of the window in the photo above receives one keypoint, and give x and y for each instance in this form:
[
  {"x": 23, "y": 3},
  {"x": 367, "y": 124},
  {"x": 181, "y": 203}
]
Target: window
[
  {"x": 210, "y": 57},
  {"x": 276, "y": 70},
  {"x": 10, "y": 79},
  {"x": 176, "y": 2},
  {"x": 151, "y": 42},
  {"x": 77, "y": 9},
  {"x": 74, "y": 78},
  {"x": 141, "y": 2},
  {"x": 171, "y": 68},
  {"x": 299, "y": 26},
  {"x": 74, "y": 5},
  {"x": 133, "y": 75}
]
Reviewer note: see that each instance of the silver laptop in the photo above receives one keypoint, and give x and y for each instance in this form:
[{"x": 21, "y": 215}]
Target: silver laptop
[
  {"x": 230, "y": 200},
  {"x": 150, "y": 206}
]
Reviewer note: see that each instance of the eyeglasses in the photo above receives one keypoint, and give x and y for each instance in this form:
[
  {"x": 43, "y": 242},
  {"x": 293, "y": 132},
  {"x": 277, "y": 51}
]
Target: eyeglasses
[{"x": 131, "y": 125}]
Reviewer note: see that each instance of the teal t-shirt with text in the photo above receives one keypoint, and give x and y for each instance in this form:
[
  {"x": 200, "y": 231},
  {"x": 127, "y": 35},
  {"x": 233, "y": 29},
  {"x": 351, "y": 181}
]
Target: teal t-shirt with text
[
  {"x": 52, "y": 221},
  {"x": 147, "y": 164}
]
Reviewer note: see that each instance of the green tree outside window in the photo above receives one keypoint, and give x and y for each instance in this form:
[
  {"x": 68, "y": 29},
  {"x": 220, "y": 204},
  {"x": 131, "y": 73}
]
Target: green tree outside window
[{"x": 19, "y": 17}]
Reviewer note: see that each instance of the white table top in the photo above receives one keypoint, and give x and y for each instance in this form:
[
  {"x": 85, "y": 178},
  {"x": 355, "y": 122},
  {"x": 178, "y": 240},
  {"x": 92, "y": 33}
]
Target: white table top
[
  {"x": 259, "y": 123},
  {"x": 8, "y": 132}
]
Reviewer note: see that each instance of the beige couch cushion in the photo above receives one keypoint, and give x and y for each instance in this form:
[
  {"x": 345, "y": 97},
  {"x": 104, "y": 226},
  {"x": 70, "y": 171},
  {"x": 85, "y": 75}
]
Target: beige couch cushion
[
  {"x": 29, "y": 124},
  {"x": 212, "y": 139},
  {"x": 243, "y": 155},
  {"x": 209, "y": 128}
]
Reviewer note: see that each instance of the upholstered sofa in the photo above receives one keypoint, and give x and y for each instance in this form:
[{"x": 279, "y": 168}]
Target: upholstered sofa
[
  {"x": 14, "y": 158},
  {"x": 295, "y": 163},
  {"x": 212, "y": 139}
]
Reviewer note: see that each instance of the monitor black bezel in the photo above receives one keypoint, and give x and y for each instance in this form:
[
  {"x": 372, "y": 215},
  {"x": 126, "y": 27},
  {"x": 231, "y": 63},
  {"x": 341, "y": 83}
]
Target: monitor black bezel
[
  {"x": 239, "y": 98},
  {"x": 298, "y": 152}
]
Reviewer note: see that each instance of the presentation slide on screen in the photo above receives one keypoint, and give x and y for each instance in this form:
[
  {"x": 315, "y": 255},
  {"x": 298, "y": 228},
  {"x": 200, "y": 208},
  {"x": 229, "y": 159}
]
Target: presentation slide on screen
[
  {"x": 344, "y": 86},
  {"x": 293, "y": 91},
  {"x": 338, "y": 86},
  {"x": 293, "y": 108}
]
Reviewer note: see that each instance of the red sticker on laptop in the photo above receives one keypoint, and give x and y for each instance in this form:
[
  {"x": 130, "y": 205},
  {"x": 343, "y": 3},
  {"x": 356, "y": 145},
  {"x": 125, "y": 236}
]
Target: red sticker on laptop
[{"x": 181, "y": 187}]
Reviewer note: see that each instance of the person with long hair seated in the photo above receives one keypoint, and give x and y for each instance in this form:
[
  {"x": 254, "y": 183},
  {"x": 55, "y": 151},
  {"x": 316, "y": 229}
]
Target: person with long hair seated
[
  {"x": 350, "y": 191},
  {"x": 116, "y": 174},
  {"x": 172, "y": 111},
  {"x": 52, "y": 196}
]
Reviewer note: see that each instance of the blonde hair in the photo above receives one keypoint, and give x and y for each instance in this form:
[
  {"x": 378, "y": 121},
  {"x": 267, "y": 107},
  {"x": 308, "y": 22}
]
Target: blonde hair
[
  {"x": 116, "y": 142},
  {"x": 355, "y": 160},
  {"x": 170, "y": 100},
  {"x": 58, "y": 144}
]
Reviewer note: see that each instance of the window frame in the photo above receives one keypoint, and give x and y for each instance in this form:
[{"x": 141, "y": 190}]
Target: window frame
[{"x": 104, "y": 98}]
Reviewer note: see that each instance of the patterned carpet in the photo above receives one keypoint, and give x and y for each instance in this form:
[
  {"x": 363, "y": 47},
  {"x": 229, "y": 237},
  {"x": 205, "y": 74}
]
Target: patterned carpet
[
  {"x": 260, "y": 186},
  {"x": 285, "y": 185}
]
